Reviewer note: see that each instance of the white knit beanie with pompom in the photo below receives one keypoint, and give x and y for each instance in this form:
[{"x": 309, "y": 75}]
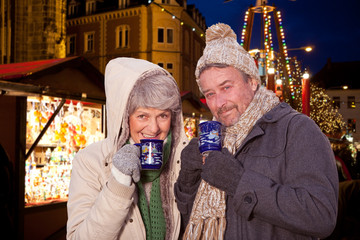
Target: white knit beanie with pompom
[{"x": 222, "y": 47}]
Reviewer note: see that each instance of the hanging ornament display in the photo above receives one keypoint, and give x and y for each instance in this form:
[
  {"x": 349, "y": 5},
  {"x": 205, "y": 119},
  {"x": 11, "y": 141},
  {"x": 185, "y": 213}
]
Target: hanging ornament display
[{"x": 48, "y": 169}]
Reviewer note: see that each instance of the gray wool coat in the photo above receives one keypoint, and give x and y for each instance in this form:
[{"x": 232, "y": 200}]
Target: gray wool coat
[{"x": 289, "y": 188}]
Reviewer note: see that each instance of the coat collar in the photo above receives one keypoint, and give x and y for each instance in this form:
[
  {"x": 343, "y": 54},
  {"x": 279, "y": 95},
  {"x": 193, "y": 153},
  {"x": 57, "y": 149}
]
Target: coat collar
[{"x": 270, "y": 117}]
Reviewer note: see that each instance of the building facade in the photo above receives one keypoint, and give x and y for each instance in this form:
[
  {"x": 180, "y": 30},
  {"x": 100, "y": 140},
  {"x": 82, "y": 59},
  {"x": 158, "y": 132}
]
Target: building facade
[
  {"x": 32, "y": 30},
  {"x": 342, "y": 84},
  {"x": 347, "y": 101},
  {"x": 169, "y": 33}
]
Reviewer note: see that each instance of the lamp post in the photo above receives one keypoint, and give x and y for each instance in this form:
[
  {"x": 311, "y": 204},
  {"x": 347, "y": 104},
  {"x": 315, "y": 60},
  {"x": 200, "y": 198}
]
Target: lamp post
[
  {"x": 286, "y": 86},
  {"x": 271, "y": 79},
  {"x": 279, "y": 89},
  {"x": 306, "y": 94},
  {"x": 305, "y": 48}
]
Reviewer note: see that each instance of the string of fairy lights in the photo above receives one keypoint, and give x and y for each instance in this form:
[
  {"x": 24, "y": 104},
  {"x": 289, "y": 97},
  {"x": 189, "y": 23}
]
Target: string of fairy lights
[
  {"x": 328, "y": 118},
  {"x": 269, "y": 47},
  {"x": 173, "y": 16},
  {"x": 323, "y": 113},
  {"x": 292, "y": 65}
]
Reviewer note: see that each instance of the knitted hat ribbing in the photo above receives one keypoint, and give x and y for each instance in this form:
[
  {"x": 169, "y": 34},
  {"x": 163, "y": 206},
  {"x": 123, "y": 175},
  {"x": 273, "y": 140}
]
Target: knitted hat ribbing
[{"x": 222, "y": 47}]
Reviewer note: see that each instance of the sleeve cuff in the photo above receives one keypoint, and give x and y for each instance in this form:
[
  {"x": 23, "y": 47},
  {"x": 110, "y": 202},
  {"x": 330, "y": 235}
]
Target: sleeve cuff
[
  {"x": 121, "y": 177},
  {"x": 120, "y": 189}
]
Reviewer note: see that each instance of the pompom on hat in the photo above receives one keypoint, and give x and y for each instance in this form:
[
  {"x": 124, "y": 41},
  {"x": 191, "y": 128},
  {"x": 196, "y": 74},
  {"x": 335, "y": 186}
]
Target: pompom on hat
[{"x": 222, "y": 47}]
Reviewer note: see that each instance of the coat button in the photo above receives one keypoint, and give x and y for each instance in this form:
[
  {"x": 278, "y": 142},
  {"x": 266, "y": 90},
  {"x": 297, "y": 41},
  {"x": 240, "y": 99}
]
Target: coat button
[
  {"x": 268, "y": 116},
  {"x": 131, "y": 220},
  {"x": 248, "y": 199},
  {"x": 283, "y": 105}
]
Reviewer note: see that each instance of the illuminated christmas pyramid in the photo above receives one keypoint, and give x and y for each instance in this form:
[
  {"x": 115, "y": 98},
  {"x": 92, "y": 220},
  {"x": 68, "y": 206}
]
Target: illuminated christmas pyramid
[{"x": 285, "y": 68}]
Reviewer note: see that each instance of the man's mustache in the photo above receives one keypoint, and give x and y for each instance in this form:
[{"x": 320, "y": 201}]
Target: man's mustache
[{"x": 226, "y": 108}]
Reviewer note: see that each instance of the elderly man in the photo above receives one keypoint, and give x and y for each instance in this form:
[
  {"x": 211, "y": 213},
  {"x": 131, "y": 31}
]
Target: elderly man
[{"x": 275, "y": 177}]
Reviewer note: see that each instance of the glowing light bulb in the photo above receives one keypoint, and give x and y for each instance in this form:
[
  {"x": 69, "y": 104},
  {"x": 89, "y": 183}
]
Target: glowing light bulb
[{"x": 306, "y": 75}]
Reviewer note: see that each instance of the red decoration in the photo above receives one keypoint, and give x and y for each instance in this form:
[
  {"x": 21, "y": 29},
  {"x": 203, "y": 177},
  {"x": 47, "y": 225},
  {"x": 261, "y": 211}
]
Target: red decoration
[{"x": 306, "y": 96}]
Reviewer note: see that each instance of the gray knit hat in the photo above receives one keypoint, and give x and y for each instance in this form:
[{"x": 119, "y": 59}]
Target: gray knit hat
[{"x": 222, "y": 47}]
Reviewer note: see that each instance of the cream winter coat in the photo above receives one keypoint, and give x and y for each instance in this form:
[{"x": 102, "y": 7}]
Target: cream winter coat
[{"x": 99, "y": 207}]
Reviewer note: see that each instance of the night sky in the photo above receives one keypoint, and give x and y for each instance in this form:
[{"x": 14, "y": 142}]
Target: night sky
[{"x": 332, "y": 27}]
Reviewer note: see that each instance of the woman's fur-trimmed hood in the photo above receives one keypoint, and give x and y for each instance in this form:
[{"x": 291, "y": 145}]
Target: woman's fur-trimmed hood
[{"x": 121, "y": 75}]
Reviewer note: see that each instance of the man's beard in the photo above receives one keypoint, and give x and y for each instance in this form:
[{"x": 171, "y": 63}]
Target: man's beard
[{"x": 225, "y": 109}]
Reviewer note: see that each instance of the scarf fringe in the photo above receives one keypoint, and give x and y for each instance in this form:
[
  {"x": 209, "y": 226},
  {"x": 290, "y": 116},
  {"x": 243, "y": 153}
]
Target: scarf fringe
[
  {"x": 193, "y": 231},
  {"x": 206, "y": 229}
]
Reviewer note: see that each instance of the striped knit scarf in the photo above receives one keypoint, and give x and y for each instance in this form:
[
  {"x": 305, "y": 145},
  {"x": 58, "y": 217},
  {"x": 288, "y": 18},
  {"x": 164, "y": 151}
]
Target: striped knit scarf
[{"x": 207, "y": 219}]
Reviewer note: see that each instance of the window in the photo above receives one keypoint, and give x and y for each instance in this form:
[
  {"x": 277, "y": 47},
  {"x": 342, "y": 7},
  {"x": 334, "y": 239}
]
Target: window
[
  {"x": 165, "y": 1},
  {"x": 351, "y": 102},
  {"x": 170, "y": 33},
  {"x": 160, "y": 35},
  {"x": 161, "y": 65},
  {"x": 72, "y": 8},
  {"x": 169, "y": 66},
  {"x": 352, "y": 125},
  {"x": 336, "y": 102},
  {"x": 126, "y": 37},
  {"x": 90, "y": 6},
  {"x": 123, "y": 4},
  {"x": 122, "y": 36},
  {"x": 89, "y": 42},
  {"x": 71, "y": 43}
]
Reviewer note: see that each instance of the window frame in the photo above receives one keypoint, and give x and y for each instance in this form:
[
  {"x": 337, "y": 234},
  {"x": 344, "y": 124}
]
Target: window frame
[
  {"x": 168, "y": 30},
  {"x": 90, "y": 6},
  {"x": 336, "y": 102},
  {"x": 71, "y": 45},
  {"x": 170, "y": 66},
  {"x": 122, "y": 35},
  {"x": 351, "y": 102},
  {"x": 161, "y": 29},
  {"x": 87, "y": 41}
]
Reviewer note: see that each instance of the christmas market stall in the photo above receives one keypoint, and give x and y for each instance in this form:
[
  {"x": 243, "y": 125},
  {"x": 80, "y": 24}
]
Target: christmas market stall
[
  {"x": 50, "y": 109},
  {"x": 195, "y": 111}
]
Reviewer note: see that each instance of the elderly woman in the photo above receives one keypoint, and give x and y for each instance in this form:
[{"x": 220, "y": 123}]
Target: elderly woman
[{"x": 110, "y": 197}]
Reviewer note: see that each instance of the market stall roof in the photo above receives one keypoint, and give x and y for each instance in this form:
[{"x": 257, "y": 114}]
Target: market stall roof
[
  {"x": 192, "y": 104},
  {"x": 71, "y": 77}
]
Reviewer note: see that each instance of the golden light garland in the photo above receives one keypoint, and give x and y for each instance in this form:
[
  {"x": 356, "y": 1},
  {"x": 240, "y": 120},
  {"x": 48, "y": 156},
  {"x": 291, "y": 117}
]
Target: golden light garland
[
  {"x": 173, "y": 16},
  {"x": 324, "y": 113}
]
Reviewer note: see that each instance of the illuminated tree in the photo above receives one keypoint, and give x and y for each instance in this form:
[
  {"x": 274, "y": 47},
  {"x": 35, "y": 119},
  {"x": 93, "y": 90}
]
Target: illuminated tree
[{"x": 326, "y": 116}]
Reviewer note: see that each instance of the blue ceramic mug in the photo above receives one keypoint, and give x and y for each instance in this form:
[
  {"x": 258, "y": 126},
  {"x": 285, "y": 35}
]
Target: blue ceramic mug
[
  {"x": 209, "y": 136},
  {"x": 151, "y": 151}
]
